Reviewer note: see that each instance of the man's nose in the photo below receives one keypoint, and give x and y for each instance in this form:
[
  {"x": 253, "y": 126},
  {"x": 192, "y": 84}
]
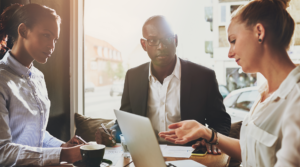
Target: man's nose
[{"x": 161, "y": 45}]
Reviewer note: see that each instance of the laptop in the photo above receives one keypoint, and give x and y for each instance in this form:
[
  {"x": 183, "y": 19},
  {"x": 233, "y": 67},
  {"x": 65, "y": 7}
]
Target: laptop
[{"x": 142, "y": 142}]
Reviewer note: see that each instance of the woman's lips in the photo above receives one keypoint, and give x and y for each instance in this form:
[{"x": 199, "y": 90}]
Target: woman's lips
[{"x": 237, "y": 60}]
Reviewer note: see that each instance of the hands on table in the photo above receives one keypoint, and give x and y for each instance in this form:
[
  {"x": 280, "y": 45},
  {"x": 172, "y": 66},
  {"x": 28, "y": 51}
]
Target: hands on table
[
  {"x": 70, "y": 151},
  {"x": 102, "y": 138},
  {"x": 186, "y": 131}
]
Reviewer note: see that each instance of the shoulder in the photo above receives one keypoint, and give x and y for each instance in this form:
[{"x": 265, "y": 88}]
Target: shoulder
[
  {"x": 6, "y": 73},
  {"x": 37, "y": 72},
  {"x": 141, "y": 69}
]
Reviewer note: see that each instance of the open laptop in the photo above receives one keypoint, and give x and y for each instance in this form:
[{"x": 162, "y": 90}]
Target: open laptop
[{"x": 142, "y": 142}]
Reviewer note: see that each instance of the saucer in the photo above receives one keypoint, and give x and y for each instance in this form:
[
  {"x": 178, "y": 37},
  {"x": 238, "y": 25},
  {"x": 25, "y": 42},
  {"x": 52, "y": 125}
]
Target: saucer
[{"x": 82, "y": 164}]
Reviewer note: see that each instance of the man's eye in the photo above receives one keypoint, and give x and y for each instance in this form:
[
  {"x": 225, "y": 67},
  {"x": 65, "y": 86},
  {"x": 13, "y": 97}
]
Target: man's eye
[{"x": 46, "y": 35}]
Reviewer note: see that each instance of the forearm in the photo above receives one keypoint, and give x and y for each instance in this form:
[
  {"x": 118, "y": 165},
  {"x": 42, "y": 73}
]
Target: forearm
[
  {"x": 227, "y": 144},
  {"x": 50, "y": 141},
  {"x": 20, "y": 155}
]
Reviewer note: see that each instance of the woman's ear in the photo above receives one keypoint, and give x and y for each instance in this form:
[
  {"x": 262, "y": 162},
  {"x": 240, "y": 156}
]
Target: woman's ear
[
  {"x": 260, "y": 32},
  {"x": 22, "y": 30}
]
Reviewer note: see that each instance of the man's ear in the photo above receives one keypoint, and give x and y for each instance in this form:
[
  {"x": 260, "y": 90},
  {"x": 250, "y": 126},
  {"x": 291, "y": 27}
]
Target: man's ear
[
  {"x": 176, "y": 40},
  {"x": 22, "y": 30},
  {"x": 143, "y": 43}
]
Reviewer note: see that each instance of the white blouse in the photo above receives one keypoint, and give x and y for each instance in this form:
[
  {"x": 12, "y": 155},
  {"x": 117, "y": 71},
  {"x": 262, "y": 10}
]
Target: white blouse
[{"x": 270, "y": 133}]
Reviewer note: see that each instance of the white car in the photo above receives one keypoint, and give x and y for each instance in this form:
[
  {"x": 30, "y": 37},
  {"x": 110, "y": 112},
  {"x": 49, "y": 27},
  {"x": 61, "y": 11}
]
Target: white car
[{"x": 239, "y": 102}]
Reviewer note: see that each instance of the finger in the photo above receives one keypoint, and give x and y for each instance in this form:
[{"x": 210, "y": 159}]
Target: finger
[
  {"x": 214, "y": 149},
  {"x": 176, "y": 125},
  {"x": 197, "y": 144},
  {"x": 171, "y": 140},
  {"x": 181, "y": 141},
  {"x": 167, "y": 133},
  {"x": 203, "y": 143},
  {"x": 208, "y": 147},
  {"x": 219, "y": 151},
  {"x": 113, "y": 133}
]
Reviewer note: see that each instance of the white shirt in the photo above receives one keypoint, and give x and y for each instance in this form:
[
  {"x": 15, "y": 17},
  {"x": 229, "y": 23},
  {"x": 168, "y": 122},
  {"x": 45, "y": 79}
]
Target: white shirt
[
  {"x": 270, "y": 133},
  {"x": 164, "y": 100}
]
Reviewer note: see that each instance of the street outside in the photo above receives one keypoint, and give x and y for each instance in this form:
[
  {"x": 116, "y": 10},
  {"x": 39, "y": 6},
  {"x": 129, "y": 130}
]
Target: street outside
[{"x": 99, "y": 104}]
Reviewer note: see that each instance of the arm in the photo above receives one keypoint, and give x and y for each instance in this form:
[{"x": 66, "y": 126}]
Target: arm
[
  {"x": 125, "y": 106},
  {"x": 186, "y": 131},
  {"x": 13, "y": 154},
  {"x": 50, "y": 141},
  {"x": 216, "y": 115},
  {"x": 289, "y": 153}
]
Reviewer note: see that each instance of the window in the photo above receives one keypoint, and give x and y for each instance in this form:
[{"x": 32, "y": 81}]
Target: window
[
  {"x": 246, "y": 100},
  {"x": 112, "y": 33},
  {"x": 230, "y": 99}
]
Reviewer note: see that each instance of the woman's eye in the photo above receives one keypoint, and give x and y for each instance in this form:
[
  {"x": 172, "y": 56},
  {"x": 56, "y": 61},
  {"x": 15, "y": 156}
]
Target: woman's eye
[
  {"x": 46, "y": 35},
  {"x": 233, "y": 41}
]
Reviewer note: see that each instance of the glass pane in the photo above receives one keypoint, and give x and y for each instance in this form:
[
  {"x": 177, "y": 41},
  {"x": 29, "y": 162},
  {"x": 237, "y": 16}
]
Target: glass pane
[
  {"x": 229, "y": 101},
  {"x": 246, "y": 100},
  {"x": 113, "y": 30}
]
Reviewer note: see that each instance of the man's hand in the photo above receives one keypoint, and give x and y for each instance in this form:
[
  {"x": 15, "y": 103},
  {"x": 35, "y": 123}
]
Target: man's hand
[
  {"x": 102, "y": 138},
  {"x": 71, "y": 143},
  {"x": 184, "y": 132},
  {"x": 70, "y": 154},
  {"x": 210, "y": 148}
]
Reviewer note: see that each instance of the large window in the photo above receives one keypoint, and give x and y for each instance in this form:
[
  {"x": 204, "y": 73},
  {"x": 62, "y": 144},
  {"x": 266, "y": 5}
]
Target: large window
[{"x": 113, "y": 30}]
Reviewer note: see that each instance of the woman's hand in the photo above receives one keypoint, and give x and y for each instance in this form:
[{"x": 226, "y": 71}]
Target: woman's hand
[
  {"x": 73, "y": 142},
  {"x": 184, "y": 132},
  {"x": 70, "y": 154},
  {"x": 211, "y": 149}
]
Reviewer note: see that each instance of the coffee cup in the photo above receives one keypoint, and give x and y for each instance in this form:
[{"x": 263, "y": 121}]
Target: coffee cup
[{"x": 92, "y": 155}]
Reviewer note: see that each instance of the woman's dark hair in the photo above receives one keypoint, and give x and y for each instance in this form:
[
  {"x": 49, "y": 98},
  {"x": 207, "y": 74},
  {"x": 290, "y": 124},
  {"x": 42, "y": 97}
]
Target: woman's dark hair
[
  {"x": 273, "y": 15},
  {"x": 16, "y": 14}
]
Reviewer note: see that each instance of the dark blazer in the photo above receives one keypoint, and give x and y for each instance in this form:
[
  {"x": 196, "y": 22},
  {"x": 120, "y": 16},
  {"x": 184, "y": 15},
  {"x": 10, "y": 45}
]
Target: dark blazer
[{"x": 200, "y": 98}]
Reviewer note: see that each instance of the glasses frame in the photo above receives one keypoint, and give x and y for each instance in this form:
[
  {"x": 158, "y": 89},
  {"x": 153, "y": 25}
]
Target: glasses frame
[{"x": 159, "y": 40}]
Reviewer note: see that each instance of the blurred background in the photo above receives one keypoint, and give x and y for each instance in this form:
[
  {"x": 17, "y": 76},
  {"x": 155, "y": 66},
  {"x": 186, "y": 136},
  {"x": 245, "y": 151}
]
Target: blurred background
[{"x": 113, "y": 30}]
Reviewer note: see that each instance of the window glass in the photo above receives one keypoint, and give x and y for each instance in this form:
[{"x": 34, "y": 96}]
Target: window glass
[
  {"x": 112, "y": 34},
  {"x": 229, "y": 101},
  {"x": 246, "y": 100}
]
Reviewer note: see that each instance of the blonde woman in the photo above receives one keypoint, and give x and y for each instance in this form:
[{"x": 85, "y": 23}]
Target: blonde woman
[{"x": 260, "y": 34}]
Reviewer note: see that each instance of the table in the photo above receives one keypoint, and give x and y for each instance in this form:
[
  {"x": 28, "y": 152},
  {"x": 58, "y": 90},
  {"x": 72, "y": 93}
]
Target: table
[{"x": 209, "y": 160}]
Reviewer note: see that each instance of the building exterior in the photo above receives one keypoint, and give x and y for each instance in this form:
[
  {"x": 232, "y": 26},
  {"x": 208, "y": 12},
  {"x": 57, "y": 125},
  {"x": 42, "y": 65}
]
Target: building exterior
[
  {"x": 227, "y": 71},
  {"x": 103, "y": 62}
]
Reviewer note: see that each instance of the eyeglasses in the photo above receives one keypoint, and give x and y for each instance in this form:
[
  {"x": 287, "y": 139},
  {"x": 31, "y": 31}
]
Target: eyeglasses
[{"x": 156, "y": 42}]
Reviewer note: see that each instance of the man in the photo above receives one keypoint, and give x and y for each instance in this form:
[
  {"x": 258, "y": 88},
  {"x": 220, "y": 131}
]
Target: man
[{"x": 169, "y": 89}]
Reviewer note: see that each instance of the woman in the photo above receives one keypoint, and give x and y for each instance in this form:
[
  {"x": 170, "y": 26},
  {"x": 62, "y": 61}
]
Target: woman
[
  {"x": 24, "y": 103},
  {"x": 260, "y": 34}
]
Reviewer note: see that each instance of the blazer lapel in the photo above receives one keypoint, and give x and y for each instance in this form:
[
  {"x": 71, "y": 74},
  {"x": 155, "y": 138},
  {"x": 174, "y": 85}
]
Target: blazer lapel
[
  {"x": 186, "y": 82},
  {"x": 144, "y": 86}
]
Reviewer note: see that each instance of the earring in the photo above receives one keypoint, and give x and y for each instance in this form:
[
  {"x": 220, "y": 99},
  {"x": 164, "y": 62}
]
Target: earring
[{"x": 259, "y": 40}]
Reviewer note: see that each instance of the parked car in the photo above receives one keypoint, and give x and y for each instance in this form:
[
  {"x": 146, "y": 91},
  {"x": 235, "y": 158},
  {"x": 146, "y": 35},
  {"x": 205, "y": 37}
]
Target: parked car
[
  {"x": 239, "y": 102},
  {"x": 89, "y": 87},
  {"x": 223, "y": 90},
  {"x": 117, "y": 88}
]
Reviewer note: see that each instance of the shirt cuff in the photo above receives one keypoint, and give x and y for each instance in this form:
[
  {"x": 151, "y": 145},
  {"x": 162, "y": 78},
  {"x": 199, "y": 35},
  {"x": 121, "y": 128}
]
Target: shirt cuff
[{"x": 51, "y": 156}]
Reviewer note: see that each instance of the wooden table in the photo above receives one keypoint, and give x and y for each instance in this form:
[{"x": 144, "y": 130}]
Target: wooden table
[{"x": 209, "y": 160}]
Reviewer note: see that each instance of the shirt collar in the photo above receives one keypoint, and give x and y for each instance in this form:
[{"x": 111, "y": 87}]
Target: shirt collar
[
  {"x": 290, "y": 81},
  {"x": 12, "y": 63},
  {"x": 286, "y": 86},
  {"x": 176, "y": 72}
]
